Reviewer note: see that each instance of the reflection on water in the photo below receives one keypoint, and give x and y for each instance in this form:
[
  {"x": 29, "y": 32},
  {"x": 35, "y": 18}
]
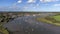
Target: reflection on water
[{"x": 19, "y": 26}]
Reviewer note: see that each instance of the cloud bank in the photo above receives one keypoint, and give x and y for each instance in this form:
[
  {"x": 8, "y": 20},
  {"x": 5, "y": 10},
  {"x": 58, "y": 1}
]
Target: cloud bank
[
  {"x": 56, "y": 5},
  {"x": 48, "y": 0},
  {"x": 19, "y": 1},
  {"x": 31, "y": 1}
]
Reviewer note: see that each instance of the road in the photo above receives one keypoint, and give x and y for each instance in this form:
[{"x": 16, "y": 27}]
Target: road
[{"x": 29, "y": 25}]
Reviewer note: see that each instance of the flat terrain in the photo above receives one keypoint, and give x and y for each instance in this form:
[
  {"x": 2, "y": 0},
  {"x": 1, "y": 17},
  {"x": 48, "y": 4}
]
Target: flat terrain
[
  {"x": 29, "y": 25},
  {"x": 26, "y": 23},
  {"x": 57, "y": 18}
]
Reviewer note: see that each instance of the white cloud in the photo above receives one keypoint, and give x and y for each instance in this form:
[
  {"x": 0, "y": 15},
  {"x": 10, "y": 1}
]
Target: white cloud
[
  {"x": 37, "y": 5},
  {"x": 19, "y": 1},
  {"x": 56, "y": 5},
  {"x": 15, "y": 4},
  {"x": 31, "y": 1},
  {"x": 48, "y": 0},
  {"x": 34, "y": 7},
  {"x": 25, "y": 7}
]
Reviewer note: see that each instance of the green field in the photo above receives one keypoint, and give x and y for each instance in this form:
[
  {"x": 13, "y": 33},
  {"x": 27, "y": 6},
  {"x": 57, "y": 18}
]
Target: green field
[{"x": 55, "y": 20}]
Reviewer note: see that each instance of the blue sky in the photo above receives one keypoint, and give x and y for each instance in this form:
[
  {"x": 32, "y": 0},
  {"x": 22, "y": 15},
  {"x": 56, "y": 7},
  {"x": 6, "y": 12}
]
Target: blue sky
[{"x": 30, "y": 5}]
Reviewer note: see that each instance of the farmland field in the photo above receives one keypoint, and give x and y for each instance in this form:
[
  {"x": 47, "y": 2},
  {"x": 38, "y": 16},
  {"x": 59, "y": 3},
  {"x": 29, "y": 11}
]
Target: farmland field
[{"x": 57, "y": 18}]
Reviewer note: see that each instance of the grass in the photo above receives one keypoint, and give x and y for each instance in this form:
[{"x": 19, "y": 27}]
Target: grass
[
  {"x": 3, "y": 30},
  {"x": 55, "y": 20},
  {"x": 3, "y": 19}
]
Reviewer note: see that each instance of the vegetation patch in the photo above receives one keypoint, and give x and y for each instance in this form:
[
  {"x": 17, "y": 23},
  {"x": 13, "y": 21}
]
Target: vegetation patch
[{"x": 55, "y": 20}]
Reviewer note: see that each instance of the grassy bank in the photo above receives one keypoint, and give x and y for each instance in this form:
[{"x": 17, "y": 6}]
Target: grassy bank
[{"x": 55, "y": 20}]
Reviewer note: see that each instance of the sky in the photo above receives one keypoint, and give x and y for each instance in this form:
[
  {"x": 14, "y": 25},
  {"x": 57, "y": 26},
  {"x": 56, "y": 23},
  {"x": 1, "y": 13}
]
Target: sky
[{"x": 30, "y": 5}]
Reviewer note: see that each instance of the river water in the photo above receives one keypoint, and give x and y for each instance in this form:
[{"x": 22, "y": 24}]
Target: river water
[{"x": 28, "y": 25}]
